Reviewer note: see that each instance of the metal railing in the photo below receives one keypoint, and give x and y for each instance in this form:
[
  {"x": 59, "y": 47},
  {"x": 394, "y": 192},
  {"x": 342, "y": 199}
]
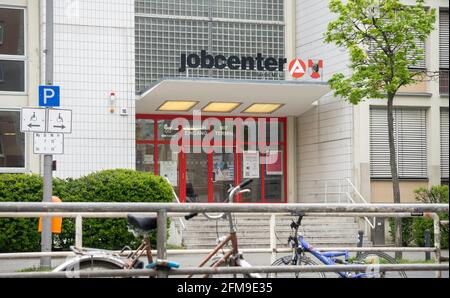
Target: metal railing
[
  {"x": 342, "y": 190},
  {"x": 162, "y": 210}
]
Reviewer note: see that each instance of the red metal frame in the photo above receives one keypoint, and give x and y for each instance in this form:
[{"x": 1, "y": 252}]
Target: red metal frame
[{"x": 237, "y": 156}]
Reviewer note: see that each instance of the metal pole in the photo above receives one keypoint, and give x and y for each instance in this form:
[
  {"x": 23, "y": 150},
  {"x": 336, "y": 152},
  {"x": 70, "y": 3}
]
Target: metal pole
[
  {"x": 273, "y": 239},
  {"x": 161, "y": 240},
  {"x": 46, "y": 234},
  {"x": 229, "y": 270},
  {"x": 427, "y": 240},
  {"x": 360, "y": 241},
  {"x": 437, "y": 240},
  {"x": 79, "y": 231},
  {"x": 218, "y": 207}
]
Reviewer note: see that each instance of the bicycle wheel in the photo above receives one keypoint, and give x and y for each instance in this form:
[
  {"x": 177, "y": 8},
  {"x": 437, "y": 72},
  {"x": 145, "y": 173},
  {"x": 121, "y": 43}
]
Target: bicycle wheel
[
  {"x": 379, "y": 258},
  {"x": 302, "y": 261}
]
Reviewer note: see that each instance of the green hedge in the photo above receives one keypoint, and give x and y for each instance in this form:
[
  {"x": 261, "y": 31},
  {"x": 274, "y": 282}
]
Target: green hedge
[
  {"x": 414, "y": 228},
  {"x": 20, "y": 235}
]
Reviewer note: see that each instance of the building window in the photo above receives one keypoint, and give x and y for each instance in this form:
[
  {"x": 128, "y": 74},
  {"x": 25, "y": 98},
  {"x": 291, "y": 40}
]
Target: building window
[
  {"x": 444, "y": 144},
  {"x": 12, "y": 50},
  {"x": 12, "y": 141},
  {"x": 410, "y": 142},
  {"x": 443, "y": 51}
]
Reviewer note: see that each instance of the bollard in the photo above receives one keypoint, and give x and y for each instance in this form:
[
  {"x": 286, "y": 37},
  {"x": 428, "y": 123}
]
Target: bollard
[
  {"x": 427, "y": 241},
  {"x": 360, "y": 241},
  {"x": 161, "y": 240}
]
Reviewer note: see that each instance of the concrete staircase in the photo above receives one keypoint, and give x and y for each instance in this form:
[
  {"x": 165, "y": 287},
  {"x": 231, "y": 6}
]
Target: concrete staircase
[{"x": 253, "y": 232}]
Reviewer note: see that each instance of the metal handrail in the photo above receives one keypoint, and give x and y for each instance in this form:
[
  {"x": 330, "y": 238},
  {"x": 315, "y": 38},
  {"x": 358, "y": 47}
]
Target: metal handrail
[
  {"x": 372, "y": 225},
  {"x": 218, "y": 207},
  {"x": 162, "y": 209},
  {"x": 231, "y": 270}
]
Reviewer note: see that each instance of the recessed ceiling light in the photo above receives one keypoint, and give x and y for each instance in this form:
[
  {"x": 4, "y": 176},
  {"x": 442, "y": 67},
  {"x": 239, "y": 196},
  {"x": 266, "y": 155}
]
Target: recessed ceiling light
[
  {"x": 221, "y": 107},
  {"x": 263, "y": 108},
  {"x": 177, "y": 105}
]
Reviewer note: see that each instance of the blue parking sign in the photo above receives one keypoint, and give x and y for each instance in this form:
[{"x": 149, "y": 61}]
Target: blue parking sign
[{"x": 49, "y": 96}]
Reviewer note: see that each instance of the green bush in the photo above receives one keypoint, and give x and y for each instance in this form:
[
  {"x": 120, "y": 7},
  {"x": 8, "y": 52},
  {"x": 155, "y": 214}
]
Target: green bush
[
  {"x": 407, "y": 232},
  {"x": 437, "y": 194},
  {"x": 19, "y": 235},
  {"x": 414, "y": 228}
]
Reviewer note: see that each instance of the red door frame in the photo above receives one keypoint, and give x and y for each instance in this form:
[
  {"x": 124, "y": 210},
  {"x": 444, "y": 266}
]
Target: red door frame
[{"x": 237, "y": 156}]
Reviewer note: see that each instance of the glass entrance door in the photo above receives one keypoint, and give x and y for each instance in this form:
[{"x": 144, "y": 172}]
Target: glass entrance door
[
  {"x": 206, "y": 177},
  {"x": 223, "y": 175},
  {"x": 196, "y": 177}
]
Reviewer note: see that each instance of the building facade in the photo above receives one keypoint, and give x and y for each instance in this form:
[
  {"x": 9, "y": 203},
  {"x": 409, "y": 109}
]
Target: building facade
[{"x": 129, "y": 68}]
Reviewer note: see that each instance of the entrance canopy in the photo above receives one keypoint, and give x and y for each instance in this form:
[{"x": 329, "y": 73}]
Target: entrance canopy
[{"x": 295, "y": 97}]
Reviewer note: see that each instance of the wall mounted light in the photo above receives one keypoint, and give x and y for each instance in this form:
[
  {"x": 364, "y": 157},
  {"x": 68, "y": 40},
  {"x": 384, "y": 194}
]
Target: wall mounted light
[{"x": 112, "y": 101}]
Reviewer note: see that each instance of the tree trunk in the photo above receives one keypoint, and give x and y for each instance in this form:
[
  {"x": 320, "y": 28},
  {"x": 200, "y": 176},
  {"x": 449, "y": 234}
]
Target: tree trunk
[{"x": 394, "y": 172}]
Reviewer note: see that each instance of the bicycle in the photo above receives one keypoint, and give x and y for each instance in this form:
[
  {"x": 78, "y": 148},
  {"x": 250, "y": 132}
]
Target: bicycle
[
  {"x": 231, "y": 258},
  {"x": 300, "y": 247},
  {"x": 99, "y": 259}
]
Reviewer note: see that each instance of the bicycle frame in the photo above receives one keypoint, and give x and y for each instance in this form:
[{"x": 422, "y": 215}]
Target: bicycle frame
[
  {"x": 328, "y": 258},
  {"x": 144, "y": 247},
  {"x": 233, "y": 256}
]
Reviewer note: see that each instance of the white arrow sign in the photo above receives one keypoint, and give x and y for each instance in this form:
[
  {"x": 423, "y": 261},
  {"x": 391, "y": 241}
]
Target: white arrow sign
[
  {"x": 59, "y": 121},
  {"x": 32, "y": 120}
]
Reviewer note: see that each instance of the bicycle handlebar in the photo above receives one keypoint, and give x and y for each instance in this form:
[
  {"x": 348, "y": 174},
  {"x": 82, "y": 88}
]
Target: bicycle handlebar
[{"x": 245, "y": 183}]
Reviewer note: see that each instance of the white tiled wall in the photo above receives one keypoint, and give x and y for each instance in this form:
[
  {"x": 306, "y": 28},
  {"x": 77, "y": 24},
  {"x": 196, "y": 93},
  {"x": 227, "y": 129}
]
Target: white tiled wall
[
  {"x": 94, "y": 56},
  {"x": 312, "y": 18},
  {"x": 324, "y": 147}
]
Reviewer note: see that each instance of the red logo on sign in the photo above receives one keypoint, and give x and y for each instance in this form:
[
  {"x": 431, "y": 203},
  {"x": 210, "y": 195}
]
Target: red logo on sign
[
  {"x": 297, "y": 68},
  {"x": 316, "y": 68}
]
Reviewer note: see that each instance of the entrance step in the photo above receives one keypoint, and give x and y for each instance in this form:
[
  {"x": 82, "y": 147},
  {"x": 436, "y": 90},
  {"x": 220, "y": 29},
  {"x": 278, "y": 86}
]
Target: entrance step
[{"x": 253, "y": 232}]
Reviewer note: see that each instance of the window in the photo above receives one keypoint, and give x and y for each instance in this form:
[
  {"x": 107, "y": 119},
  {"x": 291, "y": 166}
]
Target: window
[
  {"x": 12, "y": 50},
  {"x": 410, "y": 142},
  {"x": 444, "y": 144},
  {"x": 443, "y": 51},
  {"x": 12, "y": 141}
]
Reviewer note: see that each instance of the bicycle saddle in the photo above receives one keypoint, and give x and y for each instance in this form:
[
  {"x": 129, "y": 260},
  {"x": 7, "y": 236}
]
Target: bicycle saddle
[
  {"x": 143, "y": 223},
  {"x": 298, "y": 213}
]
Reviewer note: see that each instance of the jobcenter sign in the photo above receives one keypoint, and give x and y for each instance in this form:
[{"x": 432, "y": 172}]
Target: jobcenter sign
[{"x": 205, "y": 60}]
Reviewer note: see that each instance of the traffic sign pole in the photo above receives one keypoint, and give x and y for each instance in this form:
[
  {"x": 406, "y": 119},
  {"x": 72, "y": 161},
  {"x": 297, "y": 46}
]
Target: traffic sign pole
[{"x": 46, "y": 234}]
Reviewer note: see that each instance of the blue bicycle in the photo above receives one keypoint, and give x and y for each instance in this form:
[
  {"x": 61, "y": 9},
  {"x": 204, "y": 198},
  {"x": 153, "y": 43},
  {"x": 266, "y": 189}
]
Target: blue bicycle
[{"x": 300, "y": 249}]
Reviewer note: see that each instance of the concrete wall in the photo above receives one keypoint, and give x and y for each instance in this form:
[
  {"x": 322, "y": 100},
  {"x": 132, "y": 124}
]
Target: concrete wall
[
  {"x": 381, "y": 191},
  {"x": 94, "y": 56},
  {"x": 324, "y": 145},
  {"x": 324, "y": 148},
  {"x": 312, "y": 18}
]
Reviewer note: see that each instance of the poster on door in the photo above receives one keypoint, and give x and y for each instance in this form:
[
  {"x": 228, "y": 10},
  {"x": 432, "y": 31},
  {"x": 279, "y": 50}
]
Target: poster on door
[
  {"x": 169, "y": 170},
  {"x": 251, "y": 164},
  {"x": 223, "y": 169},
  {"x": 274, "y": 164}
]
